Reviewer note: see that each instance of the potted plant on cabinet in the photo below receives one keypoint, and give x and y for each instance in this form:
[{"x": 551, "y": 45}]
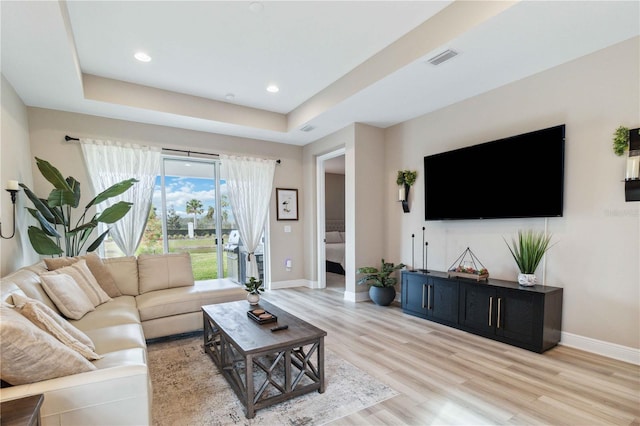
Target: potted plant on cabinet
[
  {"x": 382, "y": 285},
  {"x": 527, "y": 251},
  {"x": 254, "y": 287}
]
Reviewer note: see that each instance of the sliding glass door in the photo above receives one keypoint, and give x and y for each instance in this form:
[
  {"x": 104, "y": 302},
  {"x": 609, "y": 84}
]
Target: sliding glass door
[{"x": 196, "y": 217}]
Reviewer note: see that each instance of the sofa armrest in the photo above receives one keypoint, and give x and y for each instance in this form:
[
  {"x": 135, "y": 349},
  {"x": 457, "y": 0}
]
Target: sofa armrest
[{"x": 118, "y": 395}]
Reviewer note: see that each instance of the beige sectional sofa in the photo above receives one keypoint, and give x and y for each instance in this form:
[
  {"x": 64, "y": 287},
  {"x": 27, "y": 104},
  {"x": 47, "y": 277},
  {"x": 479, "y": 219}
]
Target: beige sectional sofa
[{"x": 147, "y": 297}]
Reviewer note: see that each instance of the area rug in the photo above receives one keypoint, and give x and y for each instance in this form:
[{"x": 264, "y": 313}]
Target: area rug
[{"x": 189, "y": 390}]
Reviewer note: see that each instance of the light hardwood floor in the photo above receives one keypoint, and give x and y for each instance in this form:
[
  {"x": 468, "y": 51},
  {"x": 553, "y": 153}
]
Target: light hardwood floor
[{"x": 447, "y": 376}]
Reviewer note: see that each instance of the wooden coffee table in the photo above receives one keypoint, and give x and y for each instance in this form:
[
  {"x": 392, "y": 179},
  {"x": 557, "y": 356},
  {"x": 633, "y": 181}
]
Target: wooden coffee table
[{"x": 264, "y": 367}]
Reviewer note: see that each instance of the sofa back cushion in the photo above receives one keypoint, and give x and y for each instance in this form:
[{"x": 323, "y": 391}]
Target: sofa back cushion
[
  {"x": 125, "y": 273},
  {"x": 31, "y": 355},
  {"x": 28, "y": 280},
  {"x": 67, "y": 295},
  {"x": 162, "y": 271}
]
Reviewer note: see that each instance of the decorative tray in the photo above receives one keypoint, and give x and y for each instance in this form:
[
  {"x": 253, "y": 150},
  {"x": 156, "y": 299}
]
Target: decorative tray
[
  {"x": 468, "y": 266},
  {"x": 261, "y": 316}
]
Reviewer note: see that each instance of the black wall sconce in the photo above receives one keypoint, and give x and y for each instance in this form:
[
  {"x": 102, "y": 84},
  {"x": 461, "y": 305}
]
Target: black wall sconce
[{"x": 12, "y": 188}]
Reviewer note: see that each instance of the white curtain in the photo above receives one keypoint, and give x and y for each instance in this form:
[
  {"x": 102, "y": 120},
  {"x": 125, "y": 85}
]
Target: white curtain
[
  {"x": 111, "y": 162},
  {"x": 249, "y": 182}
]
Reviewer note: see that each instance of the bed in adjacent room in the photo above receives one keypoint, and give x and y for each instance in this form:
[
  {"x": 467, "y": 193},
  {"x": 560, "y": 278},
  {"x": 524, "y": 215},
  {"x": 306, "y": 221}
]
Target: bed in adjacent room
[{"x": 334, "y": 246}]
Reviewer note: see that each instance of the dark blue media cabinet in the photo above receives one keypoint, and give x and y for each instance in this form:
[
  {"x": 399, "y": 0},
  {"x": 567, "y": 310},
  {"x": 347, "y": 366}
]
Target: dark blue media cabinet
[{"x": 527, "y": 317}]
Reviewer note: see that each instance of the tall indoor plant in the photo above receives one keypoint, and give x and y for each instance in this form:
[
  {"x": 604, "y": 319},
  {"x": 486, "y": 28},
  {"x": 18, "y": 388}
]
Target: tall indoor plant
[
  {"x": 57, "y": 211},
  {"x": 382, "y": 284},
  {"x": 527, "y": 251}
]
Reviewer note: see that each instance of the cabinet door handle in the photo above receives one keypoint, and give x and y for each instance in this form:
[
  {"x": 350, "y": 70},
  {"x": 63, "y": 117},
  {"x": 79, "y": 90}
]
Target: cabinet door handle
[
  {"x": 423, "y": 286},
  {"x": 490, "y": 309},
  {"x": 429, "y": 307},
  {"x": 499, "y": 303}
]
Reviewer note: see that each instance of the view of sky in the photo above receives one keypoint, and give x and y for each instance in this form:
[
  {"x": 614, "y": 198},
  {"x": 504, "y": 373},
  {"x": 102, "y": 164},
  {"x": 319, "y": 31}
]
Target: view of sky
[{"x": 180, "y": 190}]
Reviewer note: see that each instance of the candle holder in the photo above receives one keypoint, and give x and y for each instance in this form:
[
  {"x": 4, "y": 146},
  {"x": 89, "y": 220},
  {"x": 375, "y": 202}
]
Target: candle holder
[{"x": 13, "y": 193}]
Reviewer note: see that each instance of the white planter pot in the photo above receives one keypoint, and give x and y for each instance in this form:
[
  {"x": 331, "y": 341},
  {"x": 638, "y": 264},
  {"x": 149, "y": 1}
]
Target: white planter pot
[
  {"x": 253, "y": 299},
  {"x": 527, "y": 280}
]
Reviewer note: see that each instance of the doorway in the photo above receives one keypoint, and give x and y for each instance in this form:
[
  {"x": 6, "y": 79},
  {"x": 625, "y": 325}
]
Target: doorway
[{"x": 331, "y": 220}]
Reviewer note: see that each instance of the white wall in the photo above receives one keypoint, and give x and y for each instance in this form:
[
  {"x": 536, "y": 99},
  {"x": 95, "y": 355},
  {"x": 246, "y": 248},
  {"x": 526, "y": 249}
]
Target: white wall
[
  {"x": 597, "y": 253},
  {"x": 48, "y": 128},
  {"x": 15, "y": 164}
]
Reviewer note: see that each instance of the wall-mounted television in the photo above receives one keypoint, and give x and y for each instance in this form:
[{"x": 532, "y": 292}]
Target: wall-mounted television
[{"x": 514, "y": 177}]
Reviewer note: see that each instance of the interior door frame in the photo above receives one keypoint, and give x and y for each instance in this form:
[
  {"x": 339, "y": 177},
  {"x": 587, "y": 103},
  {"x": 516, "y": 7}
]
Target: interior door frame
[{"x": 320, "y": 213}]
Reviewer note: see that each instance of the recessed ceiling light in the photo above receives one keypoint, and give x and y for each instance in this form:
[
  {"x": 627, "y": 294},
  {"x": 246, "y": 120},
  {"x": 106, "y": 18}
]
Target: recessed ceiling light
[
  {"x": 256, "y": 7},
  {"x": 272, "y": 88},
  {"x": 142, "y": 57}
]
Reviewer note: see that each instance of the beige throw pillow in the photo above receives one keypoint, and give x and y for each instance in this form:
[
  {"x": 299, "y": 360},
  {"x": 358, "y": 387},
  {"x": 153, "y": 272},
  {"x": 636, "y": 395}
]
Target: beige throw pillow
[
  {"x": 96, "y": 266},
  {"x": 67, "y": 295},
  {"x": 161, "y": 271},
  {"x": 48, "y": 320},
  {"x": 81, "y": 274},
  {"x": 31, "y": 355}
]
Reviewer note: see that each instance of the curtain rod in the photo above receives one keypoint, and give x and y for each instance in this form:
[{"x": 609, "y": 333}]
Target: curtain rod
[{"x": 69, "y": 138}]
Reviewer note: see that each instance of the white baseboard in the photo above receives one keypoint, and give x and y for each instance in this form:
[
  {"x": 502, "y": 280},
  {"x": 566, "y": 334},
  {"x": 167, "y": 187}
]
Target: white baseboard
[
  {"x": 293, "y": 283},
  {"x": 359, "y": 296},
  {"x": 610, "y": 350}
]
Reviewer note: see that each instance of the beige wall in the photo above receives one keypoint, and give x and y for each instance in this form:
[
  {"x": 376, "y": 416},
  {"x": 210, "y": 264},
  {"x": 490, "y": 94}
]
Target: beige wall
[
  {"x": 334, "y": 196},
  {"x": 48, "y": 128},
  {"x": 15, "y": 164},
  {"x": 597, "y": 251}
]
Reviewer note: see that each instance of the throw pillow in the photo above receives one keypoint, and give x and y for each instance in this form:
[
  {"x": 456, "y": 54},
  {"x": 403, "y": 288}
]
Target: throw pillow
[
  {"x": 96, "y": 266},
  {"x": 67, "y": 295},
  {"x": 48, "y": 320},
  {"x": 31, "y": 355},
  {"x": 161, "y": 271},
  {"x": 81, "y": 274}
]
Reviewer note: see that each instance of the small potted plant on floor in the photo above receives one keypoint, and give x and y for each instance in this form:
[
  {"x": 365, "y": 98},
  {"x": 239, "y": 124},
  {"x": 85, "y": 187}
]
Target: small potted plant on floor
[
  {"x": 382, "y": 284},
  {"x": 254, "y": 287},
  {"x": 527, "y": 251}
]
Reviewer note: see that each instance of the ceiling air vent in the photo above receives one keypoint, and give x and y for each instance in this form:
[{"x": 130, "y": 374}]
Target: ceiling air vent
[
  {"x": 307, "y": 128},
  {"x": 442, "y": 57}
]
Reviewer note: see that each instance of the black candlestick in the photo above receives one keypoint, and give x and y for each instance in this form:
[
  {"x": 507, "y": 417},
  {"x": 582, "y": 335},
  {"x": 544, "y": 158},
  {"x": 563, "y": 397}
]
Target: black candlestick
[
  {"x": 412, "y": 253},
  {"x": 423, "y": 248}
]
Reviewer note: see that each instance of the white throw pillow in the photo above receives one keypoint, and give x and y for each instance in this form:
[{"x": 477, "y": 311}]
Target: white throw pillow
[
  {"x": 81, "y": 274},
  {"x": 67, "y": 295},
  {"x": 48, "y": 320},
  {"x": 31, "y": 355}
]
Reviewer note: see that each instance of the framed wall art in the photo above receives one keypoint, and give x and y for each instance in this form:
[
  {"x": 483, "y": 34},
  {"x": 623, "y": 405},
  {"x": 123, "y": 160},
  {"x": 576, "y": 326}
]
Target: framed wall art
[{"x": 287, "y": 204}]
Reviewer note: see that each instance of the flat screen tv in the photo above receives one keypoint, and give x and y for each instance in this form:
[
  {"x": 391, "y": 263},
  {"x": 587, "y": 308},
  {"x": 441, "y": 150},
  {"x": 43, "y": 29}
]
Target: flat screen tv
[{"x": 515, "y": 177}]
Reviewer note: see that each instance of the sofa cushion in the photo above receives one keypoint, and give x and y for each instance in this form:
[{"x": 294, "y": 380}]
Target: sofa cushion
[
  {"x": 117, "y": 337},
  {"x": 29, "y": 282},
  {"x": 81, "y": 274},
  {"x": 46, "y": 319},
  {"x": 95, "y": 264},
  {"x": 67, "y": 295},
  {"x": 125, "y": 273},
  {"x": 120, "y": 310},
  {"x": 30, "y": 355},
  {"x": 162, "y": 271},
  {"x": 182, "y": 300}
]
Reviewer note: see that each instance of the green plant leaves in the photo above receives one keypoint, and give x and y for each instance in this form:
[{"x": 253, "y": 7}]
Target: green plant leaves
[
  {"x": 52, "y": 174},
  {"x": 529, "y": 249},
  {"x": 41, "y": 243},
  {"x": 381, "y": 277},
  {"x": 57, "y": 210},
  {"x": 115, "y": 212},
  {"x": 112, "y": 191}
]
